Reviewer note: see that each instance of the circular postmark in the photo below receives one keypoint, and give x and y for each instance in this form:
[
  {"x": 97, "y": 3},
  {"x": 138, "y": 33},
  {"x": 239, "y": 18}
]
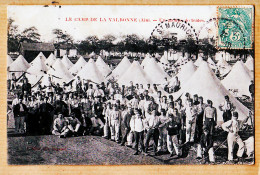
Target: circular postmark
[{"x": 175, "y": 32}]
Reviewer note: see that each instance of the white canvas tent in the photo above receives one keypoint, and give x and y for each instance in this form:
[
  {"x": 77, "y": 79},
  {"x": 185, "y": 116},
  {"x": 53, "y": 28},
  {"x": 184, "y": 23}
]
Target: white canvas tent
[
  {"x": 198, "y": 61},
  {"x": 155, "y": 72},
  {"x": 59, "y": 73},
  {"x": 92, "y": 54},
  {"x": 91, "y": 72},
  {"x": 9, "y": 60},
  {"x": 20, "y": 64},
  {"x": 212, "y": 65},
  {"x": 250, "y": 63},
  {"x": 187, "y": 70},
  {"x": 136, "y": 74},
  {"x": 181, "y": 61},
  {"x": 227, "y": 56},
  {"x": 238, "y": 79},
  {"x": 219, "y": 55},
  {"x": 50, "y": 60},
  {"x": 78, "y": 65},
  {"x": 164, "y": 60},
  {"x": 40, "y": 55},
  {"x": 206, "y": 84},
  {"x": 223, "y": 67},
  {"x": 146, "y": 59},
  {"x": 157, "y": 55},
  {"x": 67, "y": 63},
  {"x": 121, "y": 68},
  {"x": 37, "y": 70},
  {"x": 102, "y": 66}
]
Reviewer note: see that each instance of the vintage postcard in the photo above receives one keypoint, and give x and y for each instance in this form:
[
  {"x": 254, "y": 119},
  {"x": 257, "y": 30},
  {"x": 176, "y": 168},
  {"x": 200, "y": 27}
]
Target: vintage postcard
[{"x": 130, "y": 85}]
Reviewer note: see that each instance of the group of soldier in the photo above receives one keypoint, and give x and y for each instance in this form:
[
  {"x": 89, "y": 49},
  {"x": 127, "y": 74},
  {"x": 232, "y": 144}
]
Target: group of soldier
[{"x": 128, "y": 115}]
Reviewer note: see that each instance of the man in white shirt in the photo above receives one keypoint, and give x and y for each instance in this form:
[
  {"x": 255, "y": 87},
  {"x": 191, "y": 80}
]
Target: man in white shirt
[
  {"x": 137, "y": 126},
  {"x": 152, "y": 123},
  {"x": 107, "y": 113},
  {"x": 227, "y": 107},
  {"x": 60, "y": 126},
  {"x": 134, "y": 102},
  {"x": 176, "y": 84},
  {"x": 73, "y": 124},
  {"x": 15, "y": 101},
  {"x": 141, "y": 89},
  {"x": 99, "y": 92},
  {"x": 232, "y": 127},
  {"x": 90, "y": 91},
  {"x": 190, "y": 122},
  {"x": 115, "y": 123}
]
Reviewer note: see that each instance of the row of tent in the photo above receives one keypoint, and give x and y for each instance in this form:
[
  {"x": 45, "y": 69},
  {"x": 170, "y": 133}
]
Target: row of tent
[
  {"x": 195, "y": 78},
  {"x": 149, "y": 71}
]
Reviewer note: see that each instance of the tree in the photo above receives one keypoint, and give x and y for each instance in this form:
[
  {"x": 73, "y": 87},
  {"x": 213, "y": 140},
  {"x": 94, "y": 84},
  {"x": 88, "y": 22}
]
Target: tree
[
  {"x": 91, "y": 43},
  {"x": 30, "y": 35},
  {"x": 62, "y": 37},
  {"x": 106, "y": 42},
  {"x": 12, "y": 36},
  {"x": 190, "y": 46}
]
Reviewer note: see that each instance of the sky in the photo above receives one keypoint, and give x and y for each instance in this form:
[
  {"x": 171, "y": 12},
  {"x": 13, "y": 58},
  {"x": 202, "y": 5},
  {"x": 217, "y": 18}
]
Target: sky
[{"x": 45, "y": 19}]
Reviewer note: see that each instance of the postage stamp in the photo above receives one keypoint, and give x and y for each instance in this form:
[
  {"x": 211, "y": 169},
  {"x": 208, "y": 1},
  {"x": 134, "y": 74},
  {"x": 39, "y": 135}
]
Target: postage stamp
[{"x": 235, "y": 27}]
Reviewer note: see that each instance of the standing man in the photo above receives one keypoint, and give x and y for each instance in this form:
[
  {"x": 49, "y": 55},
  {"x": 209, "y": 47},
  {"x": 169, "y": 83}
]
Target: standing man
[
  {"x": 115, "y": 123},
  {"x": 227, "y": 107},
  {"x": 205, "y": 147},
  {"x": 126, "y": 124},
  {"x": 26, "y": 87},
  {"x": 252, "y": 90},
  {"x": 20, "y": 112},
  {"x": 173, "y": 130},
  {"x": 190, "y": 121},
  {"x": 232, "y": 127},
  {"x": 210, "y": 117},
  {"x": 137, "y": 126},
  {"x": 152, "y": 124},
  {"x": 162, "y": 142},
  {"x": 200, "y": 107},
  {"x": 107, "y": 113},
  {"x": 45, "y": 117}
]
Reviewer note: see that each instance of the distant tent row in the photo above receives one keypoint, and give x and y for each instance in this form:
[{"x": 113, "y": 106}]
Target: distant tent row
[{"x": 196, "y": 78}]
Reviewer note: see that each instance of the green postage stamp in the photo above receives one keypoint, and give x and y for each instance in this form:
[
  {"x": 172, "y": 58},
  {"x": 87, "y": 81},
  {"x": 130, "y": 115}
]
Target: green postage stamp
[{"x": 235, "y": 27}]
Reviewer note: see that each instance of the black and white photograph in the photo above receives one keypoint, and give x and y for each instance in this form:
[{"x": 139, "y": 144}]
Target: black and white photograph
[{"x": 130, "y": 85}]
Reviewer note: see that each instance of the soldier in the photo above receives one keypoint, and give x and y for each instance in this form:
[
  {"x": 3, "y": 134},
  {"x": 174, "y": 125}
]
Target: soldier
[
  {"x": 20, "y": 112},
  {"x": 137, "y": 126},
  {"x": 60, "y": 126},
  {"x": 173, "y": 126},
  {"x": 210, "y": 117},
  {"x": 152, "y": 123},
  {"x": 73, "y": 124},
  {"x": 232, "y": 127},
  {"x": 227, "y": 107},
  {"x": 190, "y": 112},
  {"x": 115, "y": 123}
]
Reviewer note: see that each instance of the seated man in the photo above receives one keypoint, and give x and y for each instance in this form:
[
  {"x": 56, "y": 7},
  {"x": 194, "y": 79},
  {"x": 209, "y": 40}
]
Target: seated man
[
  {"x": 60, "y": 126},
  {"x": 97, "y": 126},
  {"x": 73, "y": 124}
]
